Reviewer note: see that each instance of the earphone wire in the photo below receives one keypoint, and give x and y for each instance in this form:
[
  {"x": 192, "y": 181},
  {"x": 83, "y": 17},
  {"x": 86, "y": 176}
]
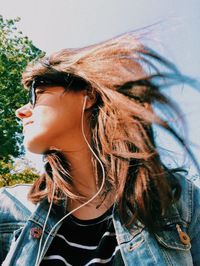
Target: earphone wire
[
  {"x": 39, "y": 257},
  {"x": 45, "y": 223}
]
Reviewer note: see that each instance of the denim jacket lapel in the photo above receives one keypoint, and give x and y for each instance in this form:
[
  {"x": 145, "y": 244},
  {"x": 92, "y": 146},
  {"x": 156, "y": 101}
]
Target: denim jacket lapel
[{"x": 24, "y": 249}]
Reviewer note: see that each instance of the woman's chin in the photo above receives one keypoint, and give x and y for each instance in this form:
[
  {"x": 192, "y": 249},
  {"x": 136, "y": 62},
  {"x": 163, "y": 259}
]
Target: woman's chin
[{"x": 33, "y": 147}]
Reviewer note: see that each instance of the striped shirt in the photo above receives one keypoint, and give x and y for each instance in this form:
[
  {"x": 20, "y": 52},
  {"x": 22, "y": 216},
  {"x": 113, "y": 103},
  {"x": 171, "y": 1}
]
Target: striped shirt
[{"x": 85, "y": 242}]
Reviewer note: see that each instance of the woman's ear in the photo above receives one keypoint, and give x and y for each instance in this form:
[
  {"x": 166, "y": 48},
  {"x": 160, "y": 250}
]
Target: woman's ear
[
  {"x": 90, "y": 98},
  {"x": 148, "y": 106}
]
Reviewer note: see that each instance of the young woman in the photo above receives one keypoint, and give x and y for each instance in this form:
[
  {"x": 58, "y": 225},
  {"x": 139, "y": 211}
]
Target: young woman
[{"x": 106, "y": 197}]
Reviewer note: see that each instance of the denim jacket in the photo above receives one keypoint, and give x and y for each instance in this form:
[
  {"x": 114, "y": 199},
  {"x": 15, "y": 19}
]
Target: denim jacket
[{"x": 19, "y": 219}]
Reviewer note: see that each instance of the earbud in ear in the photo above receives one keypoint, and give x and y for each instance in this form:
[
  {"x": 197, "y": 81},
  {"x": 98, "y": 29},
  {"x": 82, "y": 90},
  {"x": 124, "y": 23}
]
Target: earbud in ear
[{"x": 85, "y": 100}]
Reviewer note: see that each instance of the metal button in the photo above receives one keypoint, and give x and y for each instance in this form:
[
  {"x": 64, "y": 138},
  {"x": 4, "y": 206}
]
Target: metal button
[
  {"x": 184, "y": 238},
  {"x": 36, "y": 232}
]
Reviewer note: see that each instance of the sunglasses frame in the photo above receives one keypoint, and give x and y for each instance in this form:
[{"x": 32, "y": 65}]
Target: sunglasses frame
[
  {"x": 43, "y": 82},
  {"x": 58, "y": 79}
]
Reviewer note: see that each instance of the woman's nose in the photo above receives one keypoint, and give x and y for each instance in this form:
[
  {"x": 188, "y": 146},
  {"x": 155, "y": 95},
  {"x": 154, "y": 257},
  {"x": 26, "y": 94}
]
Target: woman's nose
[{"x": 24, "y": 111}]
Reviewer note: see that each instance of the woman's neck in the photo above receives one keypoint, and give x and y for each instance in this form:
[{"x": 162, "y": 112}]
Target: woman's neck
[
  {"x": 92, "y": 210},
  {"x": 84, "y": 179},
  {"x": 82, "y": 171}
]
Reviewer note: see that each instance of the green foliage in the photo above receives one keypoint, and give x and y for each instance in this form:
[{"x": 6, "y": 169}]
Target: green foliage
[
  {"x": 10, "y": 174},
  {"x": 16, "y": 51}
]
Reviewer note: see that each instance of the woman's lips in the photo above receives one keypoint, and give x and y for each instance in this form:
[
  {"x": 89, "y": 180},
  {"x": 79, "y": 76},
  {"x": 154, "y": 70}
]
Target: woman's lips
[{"x": 26, "y": 124}]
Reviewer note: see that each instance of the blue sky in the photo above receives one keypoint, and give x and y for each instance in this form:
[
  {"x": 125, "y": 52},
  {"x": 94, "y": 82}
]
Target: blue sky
[{"x": 53, "y": 25}]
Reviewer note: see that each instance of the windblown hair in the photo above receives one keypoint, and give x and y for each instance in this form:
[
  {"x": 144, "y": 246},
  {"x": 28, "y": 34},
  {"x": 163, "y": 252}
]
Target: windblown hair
[{"x": 127, "y": 78}]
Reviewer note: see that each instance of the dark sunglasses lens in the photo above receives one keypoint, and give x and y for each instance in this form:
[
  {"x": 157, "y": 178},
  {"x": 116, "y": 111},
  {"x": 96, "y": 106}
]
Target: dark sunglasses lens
[{"x": 32, "y": 95}]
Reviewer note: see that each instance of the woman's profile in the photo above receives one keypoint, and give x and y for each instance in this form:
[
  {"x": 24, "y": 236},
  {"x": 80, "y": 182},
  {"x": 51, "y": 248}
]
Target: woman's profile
[{"x": 106, "y": 196}]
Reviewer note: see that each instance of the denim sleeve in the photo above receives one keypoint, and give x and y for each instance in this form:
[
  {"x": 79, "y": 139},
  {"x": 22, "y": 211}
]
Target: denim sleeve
[
  {"x": 194, "y": 227},
  {"x": 10, "y": 225},
  {"x": 6, "y": 232}
]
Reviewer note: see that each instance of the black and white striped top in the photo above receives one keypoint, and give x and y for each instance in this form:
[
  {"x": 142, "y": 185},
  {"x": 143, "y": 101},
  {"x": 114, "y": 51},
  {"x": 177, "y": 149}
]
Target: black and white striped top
[{"x": 85, "y": 242}]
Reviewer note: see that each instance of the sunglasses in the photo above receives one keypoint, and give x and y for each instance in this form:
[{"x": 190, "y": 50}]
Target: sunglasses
[
  {"x": 67, "y": 81},
  {"x": 37, "y": 82}
]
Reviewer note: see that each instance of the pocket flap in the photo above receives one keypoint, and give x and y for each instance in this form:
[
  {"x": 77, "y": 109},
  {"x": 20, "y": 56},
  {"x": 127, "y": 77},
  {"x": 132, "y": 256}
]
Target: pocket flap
[{"x": 170, "y": 238}]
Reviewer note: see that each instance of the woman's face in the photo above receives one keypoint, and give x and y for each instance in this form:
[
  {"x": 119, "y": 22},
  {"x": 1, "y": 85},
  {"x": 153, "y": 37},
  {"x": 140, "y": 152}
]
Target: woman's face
[{"x": 54, "y": 121}]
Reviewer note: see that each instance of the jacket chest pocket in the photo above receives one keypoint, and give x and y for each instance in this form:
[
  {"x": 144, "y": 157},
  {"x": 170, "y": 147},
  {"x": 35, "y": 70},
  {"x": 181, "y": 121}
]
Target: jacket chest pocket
[
  {"x": 175, "y": 245},
  {"x": 174, "y": 236},
  {"x": 163, "y": 248}
]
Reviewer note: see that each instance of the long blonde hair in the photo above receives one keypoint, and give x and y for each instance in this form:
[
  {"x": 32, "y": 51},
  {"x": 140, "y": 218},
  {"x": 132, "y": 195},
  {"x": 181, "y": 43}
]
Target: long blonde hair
[{"x": 125, "y": 77}]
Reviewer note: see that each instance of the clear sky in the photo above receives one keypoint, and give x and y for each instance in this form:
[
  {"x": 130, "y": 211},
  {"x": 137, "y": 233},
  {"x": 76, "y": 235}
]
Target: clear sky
[{"x": 53, "y": 25}]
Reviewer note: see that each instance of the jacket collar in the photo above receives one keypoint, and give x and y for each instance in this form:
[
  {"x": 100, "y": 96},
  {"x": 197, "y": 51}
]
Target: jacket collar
[{"x": 57, "y": 212}]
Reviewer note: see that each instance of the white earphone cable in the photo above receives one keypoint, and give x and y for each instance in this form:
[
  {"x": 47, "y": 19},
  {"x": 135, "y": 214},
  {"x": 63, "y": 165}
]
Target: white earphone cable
[
  {"x": 45, "y": 223},
  {"x": 39, "y": 257}
]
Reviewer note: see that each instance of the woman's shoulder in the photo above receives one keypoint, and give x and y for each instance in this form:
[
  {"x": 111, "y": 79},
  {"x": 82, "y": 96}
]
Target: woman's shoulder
[
  {"x": 189, "y": 202},
  {"x": 14, "y": 203}
]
